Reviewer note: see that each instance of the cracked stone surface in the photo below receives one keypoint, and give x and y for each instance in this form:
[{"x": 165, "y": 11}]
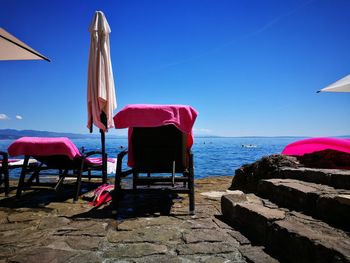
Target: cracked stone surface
[
  {"x": 302, "y": 237},
  {"x": 321, "y": 201},
  {"x": 42, "y": 227}
]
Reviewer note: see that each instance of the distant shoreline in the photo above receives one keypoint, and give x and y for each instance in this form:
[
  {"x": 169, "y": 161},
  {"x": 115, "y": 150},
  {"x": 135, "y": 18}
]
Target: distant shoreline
[{"x": 12, "y": 134}]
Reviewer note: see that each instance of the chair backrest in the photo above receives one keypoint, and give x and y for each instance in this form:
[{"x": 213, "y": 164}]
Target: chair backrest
[
  {"x": 155, "y": 149},
  {"x": 60, "y": 162}
]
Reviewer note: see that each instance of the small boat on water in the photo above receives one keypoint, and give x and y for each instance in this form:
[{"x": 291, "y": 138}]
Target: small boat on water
[{"x": 249, "y": 146}]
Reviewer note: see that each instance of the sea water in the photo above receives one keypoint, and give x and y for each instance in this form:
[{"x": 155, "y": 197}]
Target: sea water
[{"x": 213, "y": 156}]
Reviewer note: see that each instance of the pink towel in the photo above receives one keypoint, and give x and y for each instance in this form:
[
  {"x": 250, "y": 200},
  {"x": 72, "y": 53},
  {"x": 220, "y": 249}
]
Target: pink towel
[
  {"x": 98, "y": 160},
  {"x": 41, "y": 146},
  {"x": 147, "y": 115},
  {"x": 302, "y": 147}
]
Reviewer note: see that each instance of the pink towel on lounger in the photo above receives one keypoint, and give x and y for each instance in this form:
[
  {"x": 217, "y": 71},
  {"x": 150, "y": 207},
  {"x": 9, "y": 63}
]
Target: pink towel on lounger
[
  {"x": 148, "y": 115},
  {"x": 42, "y": 146},
  {"x": 302, "y": 147}
]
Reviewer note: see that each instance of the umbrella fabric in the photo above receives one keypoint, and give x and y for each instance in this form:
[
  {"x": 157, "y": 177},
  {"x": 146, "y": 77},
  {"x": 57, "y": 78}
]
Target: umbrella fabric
[
  {"x": 301, "y": 147},
  {"x": 12, "y": 48},
  {"x": 100, "y": 87},
  {"x": 342, "y": 85}
]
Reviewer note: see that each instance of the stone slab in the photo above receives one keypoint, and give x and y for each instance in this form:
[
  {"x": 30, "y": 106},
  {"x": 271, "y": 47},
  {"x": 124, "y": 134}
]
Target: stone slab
[
  {"x": 332, "y": 177},
  {"x": 321, "y": 201},
  {"x": 303, "y": 239}
]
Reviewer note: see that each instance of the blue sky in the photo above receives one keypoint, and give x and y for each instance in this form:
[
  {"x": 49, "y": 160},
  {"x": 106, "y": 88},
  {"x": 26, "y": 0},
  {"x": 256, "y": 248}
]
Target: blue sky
[{"x": 249, "y": 67}]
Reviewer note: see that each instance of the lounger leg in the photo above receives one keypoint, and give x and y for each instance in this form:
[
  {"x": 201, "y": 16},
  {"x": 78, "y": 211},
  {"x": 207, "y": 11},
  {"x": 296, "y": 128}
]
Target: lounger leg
[
  {"x": 104, "y": 169},
  {"x": 117, "y": 187},
  {"x": 61, "y": 179},
  {"x": 89, "y": 176},
  {"x": 191, "y": 186},
  {"x": 5, "y": 172},
  {"x": 134, "y": 180},
  {"x": 80, "y": 173},
  {"x": 6, "y": 178},
  {"x": 35, "y": 175},
  {"x": 78, "y": 183},
  {"x": 22, "y": 177}
]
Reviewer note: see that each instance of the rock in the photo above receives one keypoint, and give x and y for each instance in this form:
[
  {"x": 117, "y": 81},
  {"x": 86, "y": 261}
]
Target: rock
[
  {"x": 215, "y": 195},
  {"x": 330, "y": 159},
  {"x": 35, "y": 255},
  {"x": 247, "y": 176},
  {"x": 135, "y": 250},
  {"x": 321, "y": 201},
  {"x": 256, "y": 254},
  {"x": 205, "y": 248},
  {"x": 239, "y": 237},
  {"x": 23, "y": 216},
  {"x": 291, "y": 236},
  {"x": 204, "y": 235},
  {"x": 206, "y": 223},
  {"x": 86, "y": 257},
  {"x": 332, "y": 177},
  {"x": 53, "y": 222},
  {"x": 157, "y": 234}
]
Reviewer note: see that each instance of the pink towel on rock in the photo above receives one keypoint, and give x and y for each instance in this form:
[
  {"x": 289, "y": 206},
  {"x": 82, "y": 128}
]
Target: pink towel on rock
[
  {"x": 302, "y": 147},
  {"x": 42, "y": 146},
  {"x": 149, "y": 115}
]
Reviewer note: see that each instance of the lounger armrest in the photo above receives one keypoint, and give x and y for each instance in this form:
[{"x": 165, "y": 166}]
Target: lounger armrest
[
  {"x": 122, "y": 154},
  {"x": 87, "y": 154},
  {"x": 120, "y": 157},
  {"x": 5, "y": 156}
]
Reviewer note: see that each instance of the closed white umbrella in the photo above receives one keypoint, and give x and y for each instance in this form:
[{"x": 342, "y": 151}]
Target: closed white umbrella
[
  {"x": 11, "y": 48},
  {"x": 101, "y": 100},
  {"x": 342, "y": 85}
]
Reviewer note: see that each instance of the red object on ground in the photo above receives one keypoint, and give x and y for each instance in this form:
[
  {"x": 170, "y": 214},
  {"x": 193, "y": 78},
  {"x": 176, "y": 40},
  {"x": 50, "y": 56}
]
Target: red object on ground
[{"x": 102, "y": 195}]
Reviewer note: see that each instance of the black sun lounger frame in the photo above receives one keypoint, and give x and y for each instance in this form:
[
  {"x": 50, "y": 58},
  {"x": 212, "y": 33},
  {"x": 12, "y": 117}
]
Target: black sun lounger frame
[
  {"x": 4, "y": 172},
  {"x": 158, "y": 150},
  {"x": 64, "y": 165}
]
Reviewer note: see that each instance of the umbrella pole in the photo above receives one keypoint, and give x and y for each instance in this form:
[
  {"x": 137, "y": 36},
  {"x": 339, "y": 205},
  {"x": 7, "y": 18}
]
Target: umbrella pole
[{"x": 104, "y": 157}]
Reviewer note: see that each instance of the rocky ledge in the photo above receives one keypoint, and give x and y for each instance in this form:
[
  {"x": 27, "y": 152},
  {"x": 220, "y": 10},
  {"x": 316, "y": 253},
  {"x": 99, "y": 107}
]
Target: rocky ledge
[{"x": 296, "y": 210}]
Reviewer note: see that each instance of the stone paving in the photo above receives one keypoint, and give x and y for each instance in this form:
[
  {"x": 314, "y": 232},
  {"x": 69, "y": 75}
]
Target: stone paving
[{"x": 45, "y": 226}]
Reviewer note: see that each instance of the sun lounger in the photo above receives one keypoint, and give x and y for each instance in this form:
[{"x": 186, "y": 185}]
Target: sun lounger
[
  {"x": 58, "y": 154},
  {"x": 4, "y": 172},
  {"x": 159, "y": 142},
  {"x": 6, "y": 165}
]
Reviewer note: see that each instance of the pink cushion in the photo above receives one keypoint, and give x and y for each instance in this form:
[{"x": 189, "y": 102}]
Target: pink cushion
[
  {"x": 302, "y": 147},
  {"x": 42, "y": 146}
]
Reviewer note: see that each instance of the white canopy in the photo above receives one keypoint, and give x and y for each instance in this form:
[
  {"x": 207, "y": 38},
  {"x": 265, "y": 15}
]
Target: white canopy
[
  {"x": 342, "y": 85},
  {"x": 12, "y": 48},
  {"x": 100, "y": 87}
]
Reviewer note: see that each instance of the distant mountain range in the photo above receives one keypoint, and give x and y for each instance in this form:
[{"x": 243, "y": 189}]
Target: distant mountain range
[
  {"x": 12, "y": 134},
  {"x": 15, "y": 134}
]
